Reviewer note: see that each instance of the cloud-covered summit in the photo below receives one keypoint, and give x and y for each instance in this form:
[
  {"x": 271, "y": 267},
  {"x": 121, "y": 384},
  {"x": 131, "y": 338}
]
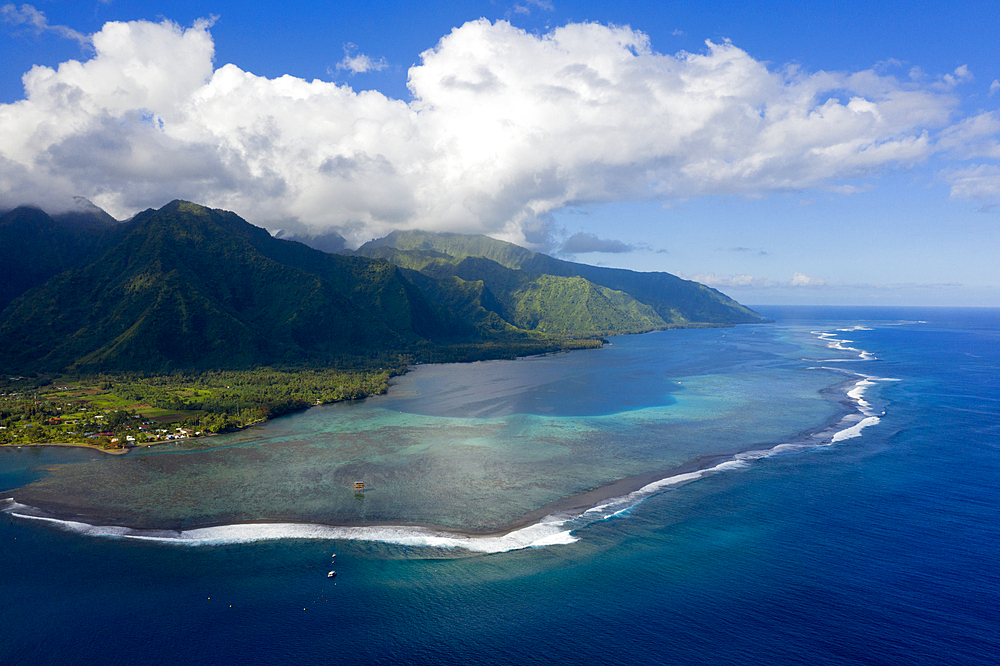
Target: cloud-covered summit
[{"x": 503, "y": 127}]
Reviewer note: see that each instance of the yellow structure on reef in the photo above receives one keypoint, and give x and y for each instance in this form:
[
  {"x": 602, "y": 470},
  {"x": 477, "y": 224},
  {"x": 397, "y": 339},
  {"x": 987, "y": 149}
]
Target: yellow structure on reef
[{"x": 359, "y": 486}]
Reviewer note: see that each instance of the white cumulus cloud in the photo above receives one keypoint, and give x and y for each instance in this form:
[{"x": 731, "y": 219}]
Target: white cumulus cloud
[
  {"x": 976, "y": 136},
  {"x": 724, "y": 281},
  {"x": 504, "y": 127},
  {"x": 960, "y": 75},
  {"x": 803, "y": 280},
  {"x": 358, "y": 63}
]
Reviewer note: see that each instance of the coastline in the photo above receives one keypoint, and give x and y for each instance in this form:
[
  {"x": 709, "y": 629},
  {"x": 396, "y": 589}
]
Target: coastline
[
  {"x": 555, "y": 519},
  {"x": 92, "y": 447},
  {"x": 146, "y": 445},
  {"x": 384, "y": 391},
  {"x": 601, "y": 501}
]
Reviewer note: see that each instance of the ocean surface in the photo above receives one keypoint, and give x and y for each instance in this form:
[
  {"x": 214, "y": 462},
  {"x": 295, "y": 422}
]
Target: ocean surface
[{"x": 820, "y": 490}]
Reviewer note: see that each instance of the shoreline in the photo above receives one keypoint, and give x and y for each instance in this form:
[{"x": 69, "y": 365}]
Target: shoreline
[
  {"x": 565, "y": 509},
  {"x": 146, "y": 445},
  {"x": 624, "y": 492},
  {"x": 92, "y": 447},
  {"x": 407, "y": 369}
]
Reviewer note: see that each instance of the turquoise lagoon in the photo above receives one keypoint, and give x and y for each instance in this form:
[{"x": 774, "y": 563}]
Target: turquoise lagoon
[{"x": 485, "y": 447}]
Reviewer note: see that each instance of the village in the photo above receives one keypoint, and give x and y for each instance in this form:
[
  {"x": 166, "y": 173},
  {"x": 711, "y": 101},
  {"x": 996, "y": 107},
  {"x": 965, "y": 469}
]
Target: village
[
  {"x": 117, "y": 413},
  {"x": 86, "y": 416}
]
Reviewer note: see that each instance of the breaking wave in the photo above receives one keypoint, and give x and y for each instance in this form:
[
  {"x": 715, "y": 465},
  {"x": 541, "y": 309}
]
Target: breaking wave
[{"x": 547, "y": 532}]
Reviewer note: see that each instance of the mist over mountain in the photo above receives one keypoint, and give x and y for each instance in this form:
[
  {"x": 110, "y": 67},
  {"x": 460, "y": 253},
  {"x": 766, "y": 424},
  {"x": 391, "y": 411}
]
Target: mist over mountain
[
  {"x": 328, "y": 242},
  {"x": 85, "y": 215},
  {"x": 35, "y": 246}
]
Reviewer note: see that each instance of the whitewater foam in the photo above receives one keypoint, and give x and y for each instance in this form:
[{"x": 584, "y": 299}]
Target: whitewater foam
[
  {"x": 547, "y": 532},
  {"x": 833, "y": 342},
  {"x": 855, "y": 430},
  {"x": 849, "y": 427}
]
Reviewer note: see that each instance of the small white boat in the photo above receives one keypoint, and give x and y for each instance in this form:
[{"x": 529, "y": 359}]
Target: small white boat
[{"x": 331, "y": 574}]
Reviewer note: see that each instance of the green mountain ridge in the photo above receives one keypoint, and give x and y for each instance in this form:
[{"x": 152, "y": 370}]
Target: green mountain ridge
[
  {"x": 555, "y": 304},
  {"x": 673, "y": 300},
  {"x": 35, "y": 246},
  {"x": 186, "y": 286},
  {"x": 541, "y": 303}
]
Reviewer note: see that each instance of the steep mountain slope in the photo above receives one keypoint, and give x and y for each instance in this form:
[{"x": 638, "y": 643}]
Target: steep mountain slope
[
  {"x": 554, "y": 304},
  {"x": 35, "y": 246},
  {"x": 458, "y": 246},
  {"x": 186, "y": 286},
  {"x": 674, "y": 300},
  {"x": 543, "y": 303},
  {"x": 472, "y": 310}
]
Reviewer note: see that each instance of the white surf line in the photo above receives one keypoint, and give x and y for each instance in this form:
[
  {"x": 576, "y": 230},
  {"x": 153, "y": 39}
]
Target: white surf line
[
  {"x": 870, "y": 417},
  {"x": 833, "y": 342},
  {"x": 849, "y": 427},
  {"x": 616, "y": 506},
  {"x": 549, "y": 531},
  {"x": 864, "y": 407}
]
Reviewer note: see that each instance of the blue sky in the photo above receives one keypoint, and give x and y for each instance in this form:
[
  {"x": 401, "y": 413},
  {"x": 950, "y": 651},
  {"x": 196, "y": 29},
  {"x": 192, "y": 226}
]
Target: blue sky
[{"x": 810, "y": 153}]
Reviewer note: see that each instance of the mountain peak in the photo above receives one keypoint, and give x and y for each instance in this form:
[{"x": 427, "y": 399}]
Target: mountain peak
[
  {"x": 187, "y": 286},
  {"x": 182, "y": 206},
  {"x": 85, "y": 215}
]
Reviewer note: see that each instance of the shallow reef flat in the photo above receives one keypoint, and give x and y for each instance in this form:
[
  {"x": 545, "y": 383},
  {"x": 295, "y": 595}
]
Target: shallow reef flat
[{"x": 485, "y": 447}]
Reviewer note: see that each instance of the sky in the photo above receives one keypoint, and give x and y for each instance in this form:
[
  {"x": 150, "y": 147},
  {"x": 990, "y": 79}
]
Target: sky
[{"x": 781, "y": 152}]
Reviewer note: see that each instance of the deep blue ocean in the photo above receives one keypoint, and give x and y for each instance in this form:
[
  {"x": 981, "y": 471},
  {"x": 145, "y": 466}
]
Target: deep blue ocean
[{"x": 828, "y": 529}]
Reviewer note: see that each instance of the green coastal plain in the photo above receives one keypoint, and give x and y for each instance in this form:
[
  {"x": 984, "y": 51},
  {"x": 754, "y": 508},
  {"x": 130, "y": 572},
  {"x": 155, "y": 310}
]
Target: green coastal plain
[
  {"x": 114, "y": 413},
  {"x": 117, "y": 412}
]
